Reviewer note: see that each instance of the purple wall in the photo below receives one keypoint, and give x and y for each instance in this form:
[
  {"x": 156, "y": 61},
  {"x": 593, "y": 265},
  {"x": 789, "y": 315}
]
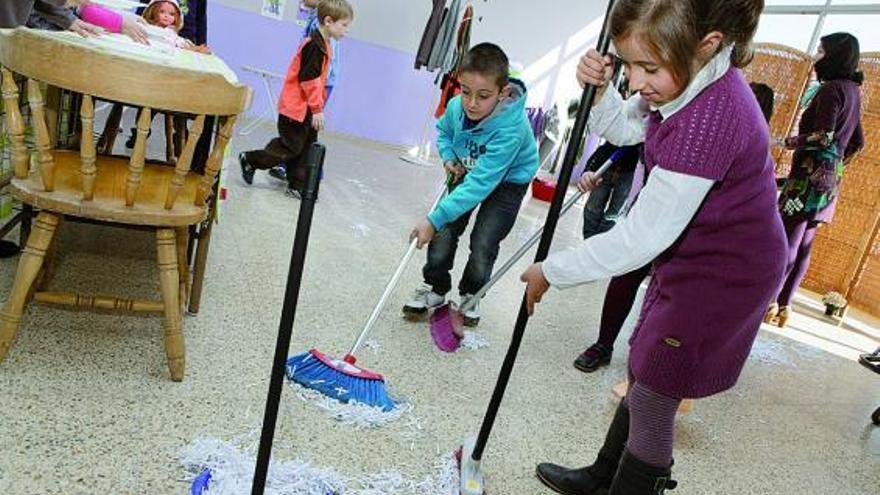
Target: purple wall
[{"x": 391, "y": 108}]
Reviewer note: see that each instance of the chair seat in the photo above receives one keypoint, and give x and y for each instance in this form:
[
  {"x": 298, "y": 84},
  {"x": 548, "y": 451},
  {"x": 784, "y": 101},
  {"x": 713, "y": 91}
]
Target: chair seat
[{"x": 109, "y": 201}]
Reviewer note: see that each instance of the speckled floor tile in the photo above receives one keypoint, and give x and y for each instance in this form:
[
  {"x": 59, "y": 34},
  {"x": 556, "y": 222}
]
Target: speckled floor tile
[{"x": 88, "y": 406}]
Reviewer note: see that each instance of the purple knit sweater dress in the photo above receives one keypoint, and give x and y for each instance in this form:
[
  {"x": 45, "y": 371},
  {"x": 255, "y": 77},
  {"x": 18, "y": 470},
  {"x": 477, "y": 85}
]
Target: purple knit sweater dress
[{"x": 710, "y": 289}]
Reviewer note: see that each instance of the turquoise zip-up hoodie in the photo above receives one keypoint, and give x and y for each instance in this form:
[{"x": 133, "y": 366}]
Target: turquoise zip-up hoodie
[{"x": 501, "y": 148}]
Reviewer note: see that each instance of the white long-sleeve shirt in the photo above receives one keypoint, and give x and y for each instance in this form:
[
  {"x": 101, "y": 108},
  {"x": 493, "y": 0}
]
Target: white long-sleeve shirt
[{"x": 666, "y": 205}]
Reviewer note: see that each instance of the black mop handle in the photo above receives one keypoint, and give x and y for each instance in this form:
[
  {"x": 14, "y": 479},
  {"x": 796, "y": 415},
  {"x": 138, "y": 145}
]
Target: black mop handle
[
  {"x": 577, "y": 133},
  {"x": 314, "y": 161}
]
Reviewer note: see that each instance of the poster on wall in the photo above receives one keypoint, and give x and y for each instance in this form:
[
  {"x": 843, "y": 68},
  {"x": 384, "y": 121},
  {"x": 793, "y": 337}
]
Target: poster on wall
[{"x": 274, "y": 8}]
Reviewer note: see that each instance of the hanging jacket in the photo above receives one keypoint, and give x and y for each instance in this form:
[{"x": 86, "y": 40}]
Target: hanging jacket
[
  {"x": 500, "y": 148},
  {"x": 430, "y": 34},
  {"x": 446, "y": 39}
]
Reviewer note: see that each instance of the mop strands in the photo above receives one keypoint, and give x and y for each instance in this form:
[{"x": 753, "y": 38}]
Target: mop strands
[
  {"x": 342, "y": 379},
  {"x": 223, "y": 468},
  {"x": 447, "y": 321}
]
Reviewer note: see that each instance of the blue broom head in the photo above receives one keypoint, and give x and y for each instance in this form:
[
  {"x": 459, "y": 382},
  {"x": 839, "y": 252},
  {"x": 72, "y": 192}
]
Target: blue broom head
[{"x": 339, "y": 380}]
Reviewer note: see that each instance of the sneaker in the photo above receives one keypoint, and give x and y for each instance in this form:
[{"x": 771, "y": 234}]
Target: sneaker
[
  {"x": 423, "y": 299},
  {"x": 596, "y": 356},
  {"x": 293, "y": 193},
  {"x": 471, "y": 316},
  {"x": 247, "y": 170},
  {"x": 278, "y": 172}
]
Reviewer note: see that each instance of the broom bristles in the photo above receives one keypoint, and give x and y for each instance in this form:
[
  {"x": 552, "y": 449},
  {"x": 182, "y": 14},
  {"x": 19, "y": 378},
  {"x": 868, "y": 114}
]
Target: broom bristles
[{"x": 337, "y": 381}]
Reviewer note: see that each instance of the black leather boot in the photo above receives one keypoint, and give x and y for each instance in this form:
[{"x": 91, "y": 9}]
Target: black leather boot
[
  {"x": 594, "y": 479},
  {"x": 634, "y": 477}
]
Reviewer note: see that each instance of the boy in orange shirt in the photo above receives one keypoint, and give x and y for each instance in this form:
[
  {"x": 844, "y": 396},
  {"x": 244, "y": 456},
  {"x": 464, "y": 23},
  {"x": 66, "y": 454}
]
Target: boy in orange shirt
[{"x": 301, "y": 105}]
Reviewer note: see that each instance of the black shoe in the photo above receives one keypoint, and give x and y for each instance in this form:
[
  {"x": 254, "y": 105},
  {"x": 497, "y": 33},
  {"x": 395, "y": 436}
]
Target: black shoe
[
  {"x": 572, "y": 481},
  {"x": 594, "y": 479},
  {"x": 634, "y": 477},
  {"x": 279, "y": 173},
  {"x": 293, "y": 193},
  {"x": 870, "y": 361},
  {"x": 247, "y": 170},
  {"x": 596, "y": 356}
]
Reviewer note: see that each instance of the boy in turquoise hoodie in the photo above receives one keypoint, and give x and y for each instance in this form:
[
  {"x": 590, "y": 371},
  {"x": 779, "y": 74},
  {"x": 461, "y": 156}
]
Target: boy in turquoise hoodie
[{"x": 487, "y": 144}]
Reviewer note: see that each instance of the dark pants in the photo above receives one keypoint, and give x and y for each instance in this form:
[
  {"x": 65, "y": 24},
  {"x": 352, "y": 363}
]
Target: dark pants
[
  {"x": 619, "y": 299},
  {"x": 605, "y": 202},
  {"x": 289, "y": 148},
  {"x": 495, "y": 218},
  {"x": 801, "y": 234}
]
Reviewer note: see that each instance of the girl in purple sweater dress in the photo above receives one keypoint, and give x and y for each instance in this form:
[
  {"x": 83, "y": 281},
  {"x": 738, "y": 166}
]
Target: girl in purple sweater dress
[
  {"x": 706, "y": 216},
  {"x": 829, "y": 134}
]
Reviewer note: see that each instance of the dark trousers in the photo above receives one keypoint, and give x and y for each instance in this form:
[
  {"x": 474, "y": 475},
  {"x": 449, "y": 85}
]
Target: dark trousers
[
  {"x": 495, "y": 219},
  {"x": 619, "y": 299},
  {"x": 605, "y": 202},
  {"x": 801, "y": 234},
  {"x": 288, "y": 149}
]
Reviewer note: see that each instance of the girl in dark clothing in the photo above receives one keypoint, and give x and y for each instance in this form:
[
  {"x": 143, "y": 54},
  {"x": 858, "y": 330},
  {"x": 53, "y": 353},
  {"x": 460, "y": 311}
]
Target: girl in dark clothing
[{"x": 829, "y": 134}]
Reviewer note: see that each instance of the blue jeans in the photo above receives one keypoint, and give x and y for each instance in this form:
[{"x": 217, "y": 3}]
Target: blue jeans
[
  {"x": 605, "y": 202},
  {"x": 495, "y": 219}
]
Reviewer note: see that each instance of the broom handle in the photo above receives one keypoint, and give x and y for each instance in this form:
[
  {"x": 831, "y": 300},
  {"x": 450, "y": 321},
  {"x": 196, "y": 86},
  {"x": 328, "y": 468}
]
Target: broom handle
[
  {"x": 374, "y": 316},
  {"x": 522, "y": 319},
  {"x": 530, "y": 242}
]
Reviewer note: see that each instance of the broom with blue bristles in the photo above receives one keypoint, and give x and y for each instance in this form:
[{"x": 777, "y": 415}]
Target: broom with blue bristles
[{"x": 342, "y": 379}]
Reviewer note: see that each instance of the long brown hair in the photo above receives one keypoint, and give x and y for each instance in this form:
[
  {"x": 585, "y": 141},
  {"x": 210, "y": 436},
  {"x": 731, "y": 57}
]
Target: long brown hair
[{"x": 673, "y": 29}]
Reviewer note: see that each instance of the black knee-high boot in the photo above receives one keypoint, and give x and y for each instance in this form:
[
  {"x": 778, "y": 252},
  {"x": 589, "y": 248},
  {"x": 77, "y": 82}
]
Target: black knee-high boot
[
  {"x": 634, "y": 477},
  {"x": 594, "y": 479}
]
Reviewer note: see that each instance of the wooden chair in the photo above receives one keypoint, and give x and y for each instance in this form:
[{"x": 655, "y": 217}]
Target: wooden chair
[{"x": 109, "y": 189}]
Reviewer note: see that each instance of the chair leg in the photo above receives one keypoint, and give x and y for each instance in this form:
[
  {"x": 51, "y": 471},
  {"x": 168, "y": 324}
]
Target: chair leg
[
  {"x": 195, "y": 297},
  {"x": 28, "y": 268},
  {"x": 51, "y": 260},
  {"x": 175, "y": 352},
  {"x": 183, "y": 266}
]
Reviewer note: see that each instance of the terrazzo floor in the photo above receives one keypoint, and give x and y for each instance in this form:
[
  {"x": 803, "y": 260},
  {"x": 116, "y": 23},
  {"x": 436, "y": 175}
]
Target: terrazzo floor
[{"x": 87, "y": 406}]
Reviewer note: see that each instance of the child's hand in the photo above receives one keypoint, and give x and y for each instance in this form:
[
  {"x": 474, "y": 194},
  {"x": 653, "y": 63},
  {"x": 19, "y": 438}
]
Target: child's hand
[
  {"x": 134, "y": 30},
  {"x": 588, "y": 182},
  {"x": 424, "y": 232},
  {"x": 85, "y": 29},
  {"x": 536, "y": 286},
  {"x": 318, "y": 121},
  {"x": 455, "y": 169},
  {"x": 596, "y": 70}
]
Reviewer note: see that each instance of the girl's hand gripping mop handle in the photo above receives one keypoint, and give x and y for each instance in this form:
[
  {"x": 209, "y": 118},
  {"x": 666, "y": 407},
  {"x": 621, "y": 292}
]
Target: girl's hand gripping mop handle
[
  {"x": 374, "y": 316},
  {"x": 471, "y": 474},
  {"x": 532, "y": 240}
]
